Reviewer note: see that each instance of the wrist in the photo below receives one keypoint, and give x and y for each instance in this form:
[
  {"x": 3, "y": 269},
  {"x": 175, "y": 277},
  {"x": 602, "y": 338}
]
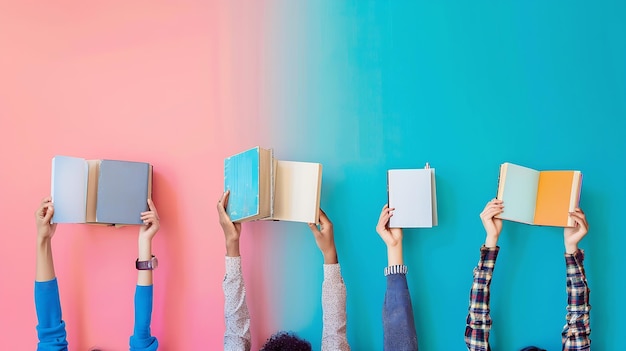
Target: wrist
[
  {"x": 394, "y": 255},
  {"x": 232, "y": 248},
  {"x": 491, "y": 241},
  {"x": 330, "y": 256},
  {"x": 571, "y": 248},
  {"x": 144, "y": 249}
]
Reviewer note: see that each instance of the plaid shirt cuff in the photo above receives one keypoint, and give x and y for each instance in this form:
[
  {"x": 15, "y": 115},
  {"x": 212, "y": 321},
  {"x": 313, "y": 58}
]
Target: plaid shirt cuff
[
  {"x": 488, "y": 257},
  {"x": 396, "y": 269},
  {"x": 574, "y": 263}
]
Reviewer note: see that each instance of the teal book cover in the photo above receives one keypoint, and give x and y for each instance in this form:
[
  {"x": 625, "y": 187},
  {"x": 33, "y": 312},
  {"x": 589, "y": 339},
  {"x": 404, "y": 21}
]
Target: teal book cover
[
  {"x": 69, "y": 189},
  {"x": 123, "y": 191},
  {"x": 242, "y": 178},
  {"x": 519, "y": 193}
]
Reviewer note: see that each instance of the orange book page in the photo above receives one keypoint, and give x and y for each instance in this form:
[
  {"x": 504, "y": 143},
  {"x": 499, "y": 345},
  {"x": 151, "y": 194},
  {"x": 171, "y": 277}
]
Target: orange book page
[{"x": 553, "y": 198}]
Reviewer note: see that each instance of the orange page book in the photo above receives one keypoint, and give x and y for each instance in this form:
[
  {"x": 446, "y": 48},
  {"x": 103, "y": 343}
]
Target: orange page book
[{"x": 557, "y": 194}]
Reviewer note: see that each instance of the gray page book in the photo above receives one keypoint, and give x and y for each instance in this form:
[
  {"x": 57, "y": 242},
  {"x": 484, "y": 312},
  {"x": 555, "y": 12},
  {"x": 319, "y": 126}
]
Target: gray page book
[
  {"x": 412, "y": 193},
  {"x": 123, "y": 191}
]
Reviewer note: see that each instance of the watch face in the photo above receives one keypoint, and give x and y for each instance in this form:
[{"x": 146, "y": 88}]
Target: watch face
[{"x": 154, "y": 263}]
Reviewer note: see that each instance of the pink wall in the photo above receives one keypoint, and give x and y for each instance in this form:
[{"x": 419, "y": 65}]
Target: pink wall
[{"x": 174, "y": 84}]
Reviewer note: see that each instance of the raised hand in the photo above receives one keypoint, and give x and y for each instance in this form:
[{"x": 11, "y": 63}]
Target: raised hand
[
  {"x": 493, "y": 226},
  {"x": 325, "y": 239},
  {"x": 43, "y": 215},
  {"x": 391, "y": 236},
  {"x": 151, "y": 223},
  {"x": 232, "y": 231},
  {"x": 573, "y": 235}
]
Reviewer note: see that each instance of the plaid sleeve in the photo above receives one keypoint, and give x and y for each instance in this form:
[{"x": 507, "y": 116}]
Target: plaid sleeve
[
  {"x": 478, "y": 319},
  {"x": 575, "y": 335}
]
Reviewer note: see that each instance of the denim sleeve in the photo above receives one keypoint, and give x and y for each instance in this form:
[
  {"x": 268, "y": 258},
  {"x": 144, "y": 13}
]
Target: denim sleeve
[{"x": 398, "y": 323}]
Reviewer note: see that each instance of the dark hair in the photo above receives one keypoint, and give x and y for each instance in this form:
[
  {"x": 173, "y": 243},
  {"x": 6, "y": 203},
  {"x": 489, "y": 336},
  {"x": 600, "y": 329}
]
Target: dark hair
[
  {"x": 285, "y": 341},
  {"x": 532, "y": 348}
]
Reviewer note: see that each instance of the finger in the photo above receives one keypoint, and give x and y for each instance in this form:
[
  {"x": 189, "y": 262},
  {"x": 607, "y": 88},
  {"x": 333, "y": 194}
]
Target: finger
[
  {"x": 223, "y": 201},
  {"x": 579, "y": 218},
  {"x": 49, "y": 212},
  {"x": 314, "y": 229},
  {"x": 324, "y": 220},
  {"x": 153, "y": 208}
]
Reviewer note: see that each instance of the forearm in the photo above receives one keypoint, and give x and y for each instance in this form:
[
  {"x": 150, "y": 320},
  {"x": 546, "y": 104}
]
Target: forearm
[
  {"x": 478, "y": 323},
  {"x": 144, "y": 277},
  {"x": 334, "y": 314},
  {"x": 50, "y": 325},
  {"x": 575, "y": 335},
  {"x": 394, "y": 255},
  {"x": 398, "y": 323},
  {"x": 236, "y": 316},
  {"x": 45, "y": 263}
]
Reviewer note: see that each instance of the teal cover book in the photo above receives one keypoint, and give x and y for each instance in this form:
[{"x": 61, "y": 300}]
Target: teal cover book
[
  {"x": 519, "y": 193},
  {"x": 241, "y": 177},
  {"x": 69, "y": 189},
  {"x": 123, "y": 191}
]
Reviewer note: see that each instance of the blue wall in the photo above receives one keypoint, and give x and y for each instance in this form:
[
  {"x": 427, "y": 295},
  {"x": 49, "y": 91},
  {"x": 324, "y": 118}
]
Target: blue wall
[{"x": 372, "y": 85}]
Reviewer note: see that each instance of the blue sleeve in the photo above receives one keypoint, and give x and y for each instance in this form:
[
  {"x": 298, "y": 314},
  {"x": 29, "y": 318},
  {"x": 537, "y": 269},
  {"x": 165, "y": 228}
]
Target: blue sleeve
[
  {"x": 141, "y": 340},
  {"x": 50, "y": 325},
  {"x": 398, "y": 324}
]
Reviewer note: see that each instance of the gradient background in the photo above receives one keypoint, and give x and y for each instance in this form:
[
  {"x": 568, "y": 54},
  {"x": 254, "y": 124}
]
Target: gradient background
[{"x": 359, "y": 86}]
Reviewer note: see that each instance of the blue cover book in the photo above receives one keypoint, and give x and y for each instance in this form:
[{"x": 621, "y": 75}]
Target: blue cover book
[
  {"x": 248, "y": 176},
  {"x": 123, "y": 190},
  {"x": 69, "y": 189}
]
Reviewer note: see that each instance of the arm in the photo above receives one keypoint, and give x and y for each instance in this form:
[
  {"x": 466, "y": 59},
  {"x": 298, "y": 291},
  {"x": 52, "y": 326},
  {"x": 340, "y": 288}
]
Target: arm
[
  {"x": 142, "y": 340},
  {"x": 333, "y": 289},
  {"x": 51, "y": 327},
  {"x": 236, "y": 316},
  {"x": 575, "y": 335},
  {"x": 398, "y": 321},
  {"x": 478, "y": 324}
]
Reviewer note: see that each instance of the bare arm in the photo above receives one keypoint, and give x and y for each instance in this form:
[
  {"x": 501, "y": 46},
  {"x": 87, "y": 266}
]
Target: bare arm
[
  {"x": 45, "y": 232},
  {"x": 236, "y": 316},
  {"x": 334, "y": 293}
]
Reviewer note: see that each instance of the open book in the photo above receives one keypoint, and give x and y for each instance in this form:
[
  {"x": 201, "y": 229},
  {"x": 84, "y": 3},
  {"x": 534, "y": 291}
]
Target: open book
[
  {"x": 412, "y": 192},
  {"x": 262, "y": 187},
  {"x": 99, "y": 191},
  {"x": 538, "y": 197}
]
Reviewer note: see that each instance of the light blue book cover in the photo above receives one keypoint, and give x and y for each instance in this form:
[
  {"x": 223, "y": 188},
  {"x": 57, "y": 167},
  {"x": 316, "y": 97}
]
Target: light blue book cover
[
  {"x": 411, "y": 193},
  {"x": 519, "y": 193},
  {"x": 123, "y": 191},
  {"x": 241, "y": 177},
  {"x": 69, "y": 189}
]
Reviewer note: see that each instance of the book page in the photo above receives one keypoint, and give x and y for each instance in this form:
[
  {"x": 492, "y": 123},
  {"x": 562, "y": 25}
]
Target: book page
[
  {"x": 410, "y": 193},
  {"x": 518, "y": 191},
  {"x": 122, "y": 192},
  {"x": 297, "y": 191},
  {"x": 554, "y": 197},
  {"x": 69, "y": 189}
]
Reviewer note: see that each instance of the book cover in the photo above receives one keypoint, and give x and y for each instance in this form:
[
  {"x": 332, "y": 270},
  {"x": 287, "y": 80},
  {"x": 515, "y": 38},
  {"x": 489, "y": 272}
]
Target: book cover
[
  {"x": 412, "y": 193},
  {"x": 249, "y": 177},
  {"x": 538, "y": 197},
  {"x": 297, "y": 191},
  {"x": 123, "y": 190},
  {"x": 69, "y": 189},
  {"x": 518, "y": 189}
]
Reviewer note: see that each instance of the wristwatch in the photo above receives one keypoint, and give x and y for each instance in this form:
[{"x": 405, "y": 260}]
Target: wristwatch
[{"x": 149, "y": 265}]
